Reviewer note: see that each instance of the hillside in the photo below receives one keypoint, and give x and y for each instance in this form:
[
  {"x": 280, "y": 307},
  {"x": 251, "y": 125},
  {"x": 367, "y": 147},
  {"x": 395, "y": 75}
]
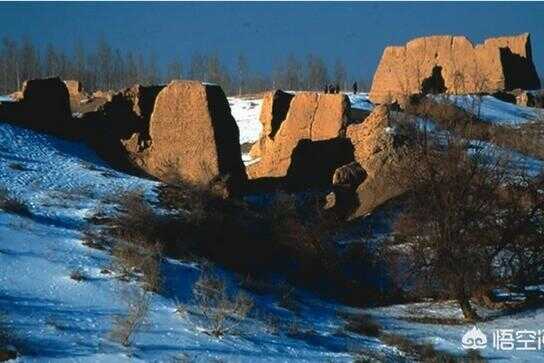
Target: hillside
[{"x": 53, "y": 318}]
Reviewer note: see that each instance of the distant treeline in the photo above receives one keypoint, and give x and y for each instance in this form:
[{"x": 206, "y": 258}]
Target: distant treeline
[{"x": 104, "y": 67}]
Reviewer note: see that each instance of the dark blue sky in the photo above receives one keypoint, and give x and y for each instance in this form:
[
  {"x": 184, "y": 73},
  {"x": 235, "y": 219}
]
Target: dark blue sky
[{"x": 357, "y": 32}]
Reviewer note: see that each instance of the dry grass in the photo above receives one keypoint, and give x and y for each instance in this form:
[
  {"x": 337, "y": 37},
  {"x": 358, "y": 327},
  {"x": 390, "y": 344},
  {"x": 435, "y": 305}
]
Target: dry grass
[
  {"x": 222, "y": 312},
  {"x": 525, "y": 138},
  {"x": 126, "y": 326},
  {"x": 435, "y": 320},
  {"x": 136, "y": 259},
  {"x": 362, "y": 324},
  {"x": 93, "y": 240},
  {"x": 13, "y": 204},
  {"x": 135, "y": 233},
  {"x": 287, "y": 298}
]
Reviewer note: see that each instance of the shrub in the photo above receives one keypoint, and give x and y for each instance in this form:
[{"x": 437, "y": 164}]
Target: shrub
[
  {"x": 12, "y": 204},
  {"x": 136, "y": 231},
  {"x": 17, "y": 166},
  {"x": 464, "y": 206},
  {"x": 272, "y": 323},
  {"x": 362, "y": 324},
  {"x": 287, "y": 298},
  {"x": 222, "y": 311},
  {"x": 256, "y": 285},
  {"x": 125, "y": 326},
  {"x": 143, "y": 259},
  {"x": 93, "y": 240}
]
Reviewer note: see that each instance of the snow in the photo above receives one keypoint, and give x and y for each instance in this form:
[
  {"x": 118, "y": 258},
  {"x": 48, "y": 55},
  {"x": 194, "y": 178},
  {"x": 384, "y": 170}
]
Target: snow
[
  {"x": 360, "y": 101},
  {"x": 57, "y": 319},
  {"x": 519, "y": 164},
  {"x": 246, "y": 113},
  {"x": 448, "y": 337},
  {"x": 492, "y": 110}
]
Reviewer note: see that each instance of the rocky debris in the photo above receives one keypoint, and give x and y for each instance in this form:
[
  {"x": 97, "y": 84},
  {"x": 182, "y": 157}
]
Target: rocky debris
[
  {"x": 343, "y": 200},
  {"x": 452, "y": 64},
  {"x": 529, "y": 99},
  {"x": 192, "y": 137},
  {"x": 349, "y": 176},
  {"x": 522, "y": 97},
  {"x": 77, "y": 94},
  {"x": 75, "y": 89},
  {"x": 379, "y": 150},
  {"x": 293, "y": 128},
  {"x": 119, "y": 128},
  {"x": 44, "y": 106},
  {"x": 107, "y": 95},
  {"x": 16, "y": 96}
]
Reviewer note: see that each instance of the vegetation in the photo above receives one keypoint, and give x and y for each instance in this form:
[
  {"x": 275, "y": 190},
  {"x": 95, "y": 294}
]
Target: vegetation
[
  {"x": 12, "y": 204},
  {"x": 362, "y": 324},
  {"x": 127, "y": 325},
  {"x": 222, "y": 312},
  {"x": 472, "y": 220},
  {"x": 103, "y": 67}
]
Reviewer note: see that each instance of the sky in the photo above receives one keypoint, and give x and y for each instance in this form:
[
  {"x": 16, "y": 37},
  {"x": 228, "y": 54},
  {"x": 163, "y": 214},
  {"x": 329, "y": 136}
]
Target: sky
[{"x": 267, "y": 32}]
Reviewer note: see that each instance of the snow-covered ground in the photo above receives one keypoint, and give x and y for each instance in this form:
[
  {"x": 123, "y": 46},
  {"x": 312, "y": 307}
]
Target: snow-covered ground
[
  {"x": 360, "y": 101},
  {"x": 56, "y": 319},
  {"x": 495, "y": 111},
  {"x": 246, "y": 113}
]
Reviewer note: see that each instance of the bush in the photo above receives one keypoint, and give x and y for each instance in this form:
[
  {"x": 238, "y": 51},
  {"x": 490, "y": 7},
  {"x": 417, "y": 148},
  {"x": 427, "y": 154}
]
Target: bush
[
  {"x": 92, "y": 240},
  {"x": 362, "y": 324},
  {"x": 222, "y": 311},
  {"x": 287, "y": 298},
  {"x": 77, "y": 275},
  {"x": 288, "y": 237},
  {"x": 12, "y": 204},
  {"x": 136, "y": 233},
  {"x": 125, "y": 326},
  {"x": 142, "y": 259},
  {"x": 466, "y": 201}
]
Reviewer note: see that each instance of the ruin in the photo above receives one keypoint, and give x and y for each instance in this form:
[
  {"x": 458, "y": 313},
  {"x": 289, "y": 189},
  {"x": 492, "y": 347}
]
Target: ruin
[{"x": 452, "y": 64}]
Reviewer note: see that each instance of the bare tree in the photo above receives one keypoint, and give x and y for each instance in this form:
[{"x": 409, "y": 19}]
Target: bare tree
[
  {"x": 463, "y": 216},
  {"x": 340, "y": 73},
  {"x": 174, "y": 70},
  {"x": 293, "y": 73},
  {"x": 222, "y": 311},
  {"x": 316, "y": 76},
  {"x": 243, "y": 70}
]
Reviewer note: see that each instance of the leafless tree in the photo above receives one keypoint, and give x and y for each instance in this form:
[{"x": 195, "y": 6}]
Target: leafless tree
[{"x": 464, "y": 227}]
